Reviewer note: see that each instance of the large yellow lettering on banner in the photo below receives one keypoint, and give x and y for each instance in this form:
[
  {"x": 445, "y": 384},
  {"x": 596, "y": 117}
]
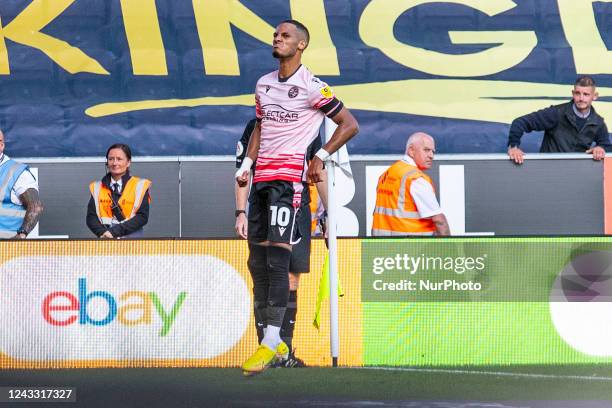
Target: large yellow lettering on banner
[
  {"x": 144, "y": 37},
  {"x": 591, "y": 55},
  {"x": 25, "y": 29},
  {"x": 376, "y": 29},
  {"x": 320, "y": 56},
  {"x": 4, "y": 60},
  {"x": 215, "y": 17}
]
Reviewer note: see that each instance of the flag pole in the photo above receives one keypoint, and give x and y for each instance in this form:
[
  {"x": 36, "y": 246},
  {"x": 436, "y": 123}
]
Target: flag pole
[{"x": 330, "y": 165}]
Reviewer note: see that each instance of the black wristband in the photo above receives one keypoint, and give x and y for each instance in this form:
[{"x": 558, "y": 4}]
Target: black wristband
[
  {"x": 238, "y": 212},
  {"x": 22, "y": 231}
]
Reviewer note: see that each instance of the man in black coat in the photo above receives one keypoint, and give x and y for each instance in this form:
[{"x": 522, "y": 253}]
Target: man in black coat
[{"x": 570, "y": 127}]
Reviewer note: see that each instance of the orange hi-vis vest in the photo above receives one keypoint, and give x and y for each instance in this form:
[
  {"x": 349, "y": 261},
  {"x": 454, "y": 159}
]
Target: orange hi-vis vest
[
  {"x": 314, "y": 206},
  {"x": 395, "y": 212},
  {"x": 134, "y": 191}
]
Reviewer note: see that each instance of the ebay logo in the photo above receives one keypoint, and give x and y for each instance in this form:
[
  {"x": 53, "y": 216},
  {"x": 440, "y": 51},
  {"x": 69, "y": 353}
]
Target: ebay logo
[
  {"x": 121, "y": 307},
  {"x": 117, "y": 308}
]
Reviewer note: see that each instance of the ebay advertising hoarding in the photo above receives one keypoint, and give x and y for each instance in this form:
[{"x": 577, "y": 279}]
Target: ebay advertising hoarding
[{"x": 479, "y": 301}]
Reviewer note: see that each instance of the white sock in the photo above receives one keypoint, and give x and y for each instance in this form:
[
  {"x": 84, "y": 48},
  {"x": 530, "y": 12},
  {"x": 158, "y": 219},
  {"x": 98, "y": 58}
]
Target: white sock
[{"x": 272, "y": 337}]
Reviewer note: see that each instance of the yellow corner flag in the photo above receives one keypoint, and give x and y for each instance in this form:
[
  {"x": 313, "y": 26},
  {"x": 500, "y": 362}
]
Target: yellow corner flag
[{"x": 324, "y": 291}]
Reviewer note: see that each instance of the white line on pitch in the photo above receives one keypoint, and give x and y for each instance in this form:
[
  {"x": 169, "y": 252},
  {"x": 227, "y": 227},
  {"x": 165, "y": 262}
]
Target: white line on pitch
[{"x": 497, "y": 373}]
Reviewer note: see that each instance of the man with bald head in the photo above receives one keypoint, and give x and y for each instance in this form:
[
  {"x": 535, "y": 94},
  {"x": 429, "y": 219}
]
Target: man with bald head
[
  {"x": 21, "y": 206},
  {"x": 406, "y": 203}
]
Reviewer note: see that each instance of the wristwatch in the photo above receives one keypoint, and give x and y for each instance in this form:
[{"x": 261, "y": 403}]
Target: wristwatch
[{"x": 238, "y": 212}]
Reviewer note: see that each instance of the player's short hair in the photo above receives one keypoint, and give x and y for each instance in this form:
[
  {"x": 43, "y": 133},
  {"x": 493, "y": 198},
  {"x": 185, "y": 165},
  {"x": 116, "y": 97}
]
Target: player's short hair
[
  {"x": 585, "y": 80},
  {"x": 301, "y": 28}
]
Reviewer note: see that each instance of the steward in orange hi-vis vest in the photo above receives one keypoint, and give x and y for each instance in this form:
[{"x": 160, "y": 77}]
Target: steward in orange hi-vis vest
[
  {"x": 129, "y": 202},
  {"x": 396, "y": 212}
]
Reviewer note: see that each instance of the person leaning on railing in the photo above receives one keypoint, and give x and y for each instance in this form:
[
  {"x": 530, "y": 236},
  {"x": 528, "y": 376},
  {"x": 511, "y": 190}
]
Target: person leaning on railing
[
  {"x": 119, "y": 203},
  {"x": 573, "y": 126}
]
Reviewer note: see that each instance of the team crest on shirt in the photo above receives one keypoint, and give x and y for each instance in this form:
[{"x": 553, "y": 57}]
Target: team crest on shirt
[
  {"x": 327, "y": 92},
  {"x": 293, "y": 92},
  {"x": 267, "y": 88}
]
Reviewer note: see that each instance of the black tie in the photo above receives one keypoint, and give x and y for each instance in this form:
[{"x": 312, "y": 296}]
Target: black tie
[{"x": 116, "y": 188}]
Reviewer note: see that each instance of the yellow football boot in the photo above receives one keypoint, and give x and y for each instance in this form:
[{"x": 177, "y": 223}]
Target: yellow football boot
[
  {"x": 259, "y": 361},
  {"x": 263, "y": 357}
]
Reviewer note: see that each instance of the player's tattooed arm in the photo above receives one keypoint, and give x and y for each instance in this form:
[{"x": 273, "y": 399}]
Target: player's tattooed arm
[{"x": 34, "y": 208}]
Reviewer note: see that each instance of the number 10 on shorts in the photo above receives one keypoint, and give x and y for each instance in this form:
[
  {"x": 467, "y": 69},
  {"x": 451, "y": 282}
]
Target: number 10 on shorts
[{"x": 280, "y": 216}]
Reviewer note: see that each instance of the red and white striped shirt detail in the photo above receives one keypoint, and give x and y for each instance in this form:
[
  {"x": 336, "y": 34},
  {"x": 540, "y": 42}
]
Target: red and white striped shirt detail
[{"x": 280, "y": 167}]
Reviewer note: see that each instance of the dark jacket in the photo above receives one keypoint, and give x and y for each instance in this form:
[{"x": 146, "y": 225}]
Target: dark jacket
[
  {"x": 562, "y": 133},
  {"x": 132, "y": 225}
]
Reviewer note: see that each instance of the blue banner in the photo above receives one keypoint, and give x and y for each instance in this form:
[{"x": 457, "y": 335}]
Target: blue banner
[{"x": 177, "y": 77}]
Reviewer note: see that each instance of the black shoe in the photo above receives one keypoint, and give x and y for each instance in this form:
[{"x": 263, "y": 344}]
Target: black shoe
[{"x": 290, "y": 362}]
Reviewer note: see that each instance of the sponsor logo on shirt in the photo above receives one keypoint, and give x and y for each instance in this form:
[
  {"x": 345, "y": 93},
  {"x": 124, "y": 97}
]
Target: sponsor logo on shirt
[{"x": 279, "y": 114}]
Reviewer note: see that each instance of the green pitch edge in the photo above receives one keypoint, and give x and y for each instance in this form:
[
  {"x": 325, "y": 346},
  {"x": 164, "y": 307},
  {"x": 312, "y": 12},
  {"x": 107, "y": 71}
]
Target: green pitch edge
[{"x": 464, "y": 333}]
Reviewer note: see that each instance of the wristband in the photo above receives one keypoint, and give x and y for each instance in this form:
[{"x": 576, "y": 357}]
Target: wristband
[
  {"x": 322, "y": 154},
  {"x": 238, "y": 212},
  {"x": 246, "y": 166}
]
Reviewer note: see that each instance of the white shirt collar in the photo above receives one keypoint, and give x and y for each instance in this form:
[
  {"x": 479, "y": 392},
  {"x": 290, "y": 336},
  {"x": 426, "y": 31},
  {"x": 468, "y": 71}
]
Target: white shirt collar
[
  {"x": 580, "y": 114},
  {"x": 409, "y": 160},
  {"x": 5, "y": 158},
  {"x": 119, "y": 182}
]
